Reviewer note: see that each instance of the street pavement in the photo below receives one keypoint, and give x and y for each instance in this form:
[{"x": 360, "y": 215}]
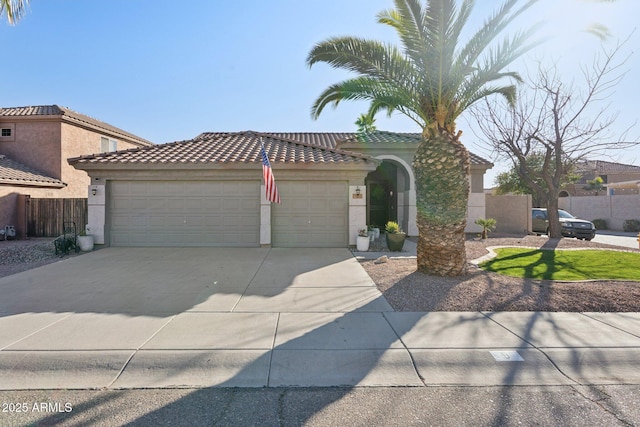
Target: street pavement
[
  {"x": 270, "y": 326},
  {"x": 618, "y": 238}
]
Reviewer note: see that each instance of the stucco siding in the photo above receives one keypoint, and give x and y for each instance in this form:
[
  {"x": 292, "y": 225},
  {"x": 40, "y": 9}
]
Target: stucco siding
[{"x": 36, "y": 144}]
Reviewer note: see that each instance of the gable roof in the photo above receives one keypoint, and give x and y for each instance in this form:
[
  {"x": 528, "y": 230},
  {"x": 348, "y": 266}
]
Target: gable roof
[
  {"x": 16, "y": 173},
  {"x": 69, "y": 116},
  {"x": 232, "y": 147}
]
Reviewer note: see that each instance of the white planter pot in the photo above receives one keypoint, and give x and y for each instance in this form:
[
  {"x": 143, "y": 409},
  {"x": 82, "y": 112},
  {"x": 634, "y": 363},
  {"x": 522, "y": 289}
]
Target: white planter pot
[
  {"x": 362, "y": 243},
  {"x": 376, "y": 233},
  {"x": 85, "y": 243}
]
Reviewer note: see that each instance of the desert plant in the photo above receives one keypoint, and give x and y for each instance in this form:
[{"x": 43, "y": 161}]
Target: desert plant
[
  {"x": 392, "y": 227},
  {"x": 488, "y": 224},
  {"x": 363, "y": 232},
  {"x": 601, "y": 224},
  {"x": 596, "y": 184},
  {"x": 631, "y": 225}
]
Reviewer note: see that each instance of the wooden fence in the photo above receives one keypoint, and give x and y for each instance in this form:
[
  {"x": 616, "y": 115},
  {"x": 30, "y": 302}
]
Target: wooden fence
[{"x": 46, "y": 217}]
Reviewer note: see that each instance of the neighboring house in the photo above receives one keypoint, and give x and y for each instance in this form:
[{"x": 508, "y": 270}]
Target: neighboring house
[
  {"x": 208, "y": 191},
  {"x": 35, "y": 143},
  {"x": 619, "y": 177}
]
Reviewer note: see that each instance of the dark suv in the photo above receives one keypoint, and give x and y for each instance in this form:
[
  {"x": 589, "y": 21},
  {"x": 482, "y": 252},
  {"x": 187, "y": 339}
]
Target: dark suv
[{"x": 571, "y": 226}]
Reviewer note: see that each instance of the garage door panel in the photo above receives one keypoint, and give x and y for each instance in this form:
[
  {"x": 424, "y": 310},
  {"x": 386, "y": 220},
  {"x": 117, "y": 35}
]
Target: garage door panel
[
  {"x": 312, "y": 214},
  {"x": 184, "y": 213}
]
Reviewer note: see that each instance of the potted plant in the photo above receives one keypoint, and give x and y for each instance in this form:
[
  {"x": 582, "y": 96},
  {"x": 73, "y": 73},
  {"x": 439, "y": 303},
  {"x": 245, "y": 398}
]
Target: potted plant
[
  {"x": 376, "y": 232},
  {"x": 362, "y": 241},
  {"x": 85, "y": 240},
  {"x": 395, "y": 236}
]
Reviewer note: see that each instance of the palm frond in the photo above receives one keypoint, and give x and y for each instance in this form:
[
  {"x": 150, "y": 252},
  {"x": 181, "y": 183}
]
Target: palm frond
[
  {"x": 14, "y": 9},
  {"x": 492, "y": 27},
  {"x": 361, "y": 56}
]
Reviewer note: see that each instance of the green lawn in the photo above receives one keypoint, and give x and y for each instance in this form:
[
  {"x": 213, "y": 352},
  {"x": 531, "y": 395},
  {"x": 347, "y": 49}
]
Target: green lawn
[{"x": 565, "y": 265}]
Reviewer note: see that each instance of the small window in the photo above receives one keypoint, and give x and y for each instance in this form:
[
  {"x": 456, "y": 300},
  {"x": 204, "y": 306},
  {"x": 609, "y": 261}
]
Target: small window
[
  {"x": 108, "y": 145},
  {"x": 7, "y": 132}
]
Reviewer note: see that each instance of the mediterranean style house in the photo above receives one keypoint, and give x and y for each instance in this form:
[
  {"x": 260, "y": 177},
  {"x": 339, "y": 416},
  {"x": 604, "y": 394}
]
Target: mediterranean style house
[
  {"x": 35, "y": 143},
  {"x": 209, "y": 191}
]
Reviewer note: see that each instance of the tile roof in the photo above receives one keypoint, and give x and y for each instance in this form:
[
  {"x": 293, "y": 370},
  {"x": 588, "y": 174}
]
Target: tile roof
[
  {"x": 603, "y": 167},
  {"x": 336, "y": 139},
  {"x": 70, "y": 116},
  {"x": 236, "y": 147},
  {"x": 15, "y": 173},
  {"x": 319, "y": 139},
  {"x": 384, "y": 137}
]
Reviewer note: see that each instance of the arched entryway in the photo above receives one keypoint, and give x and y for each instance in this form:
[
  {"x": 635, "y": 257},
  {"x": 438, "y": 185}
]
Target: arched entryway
[{"x": 388, "y": 194}]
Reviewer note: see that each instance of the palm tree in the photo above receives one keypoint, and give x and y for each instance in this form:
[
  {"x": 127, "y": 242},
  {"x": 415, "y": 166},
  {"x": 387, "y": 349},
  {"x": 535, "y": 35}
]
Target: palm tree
[
  {"x": 596, "y": 184},
  {"x": 432, "y": 80},
  {"x": 14, "y": 9},
  {"x": 366, "y": 123}
]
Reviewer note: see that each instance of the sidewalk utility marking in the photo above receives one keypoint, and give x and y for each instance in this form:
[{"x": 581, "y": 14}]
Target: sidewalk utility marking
[{"x": 507, "y": 356}]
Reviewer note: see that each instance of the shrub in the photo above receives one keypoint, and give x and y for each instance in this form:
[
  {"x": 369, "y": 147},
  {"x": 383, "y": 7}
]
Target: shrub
[
  {"x": 631, "y": 225},
  {"x": 392, "y": 227},
  {"x": 487, "y": 225},
  {"x": 601, "y": 224}
]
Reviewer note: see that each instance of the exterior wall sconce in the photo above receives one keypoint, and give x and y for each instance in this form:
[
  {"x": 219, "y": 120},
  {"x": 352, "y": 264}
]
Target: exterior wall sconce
[
  {"x": 357, "y": 194},
  {"x": 94, "y": 191}
]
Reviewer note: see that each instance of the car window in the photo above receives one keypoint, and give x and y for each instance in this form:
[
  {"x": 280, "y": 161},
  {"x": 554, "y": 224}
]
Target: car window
[{"x": 564, "y": 214}]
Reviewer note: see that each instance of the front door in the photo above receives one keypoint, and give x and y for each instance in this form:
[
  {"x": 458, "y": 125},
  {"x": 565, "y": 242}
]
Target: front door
[{"x": 382, "y": 195}]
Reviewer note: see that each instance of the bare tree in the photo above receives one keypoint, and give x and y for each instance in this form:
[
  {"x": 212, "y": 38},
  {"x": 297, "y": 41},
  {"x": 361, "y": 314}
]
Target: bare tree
[{"x": 561, "y": 123}]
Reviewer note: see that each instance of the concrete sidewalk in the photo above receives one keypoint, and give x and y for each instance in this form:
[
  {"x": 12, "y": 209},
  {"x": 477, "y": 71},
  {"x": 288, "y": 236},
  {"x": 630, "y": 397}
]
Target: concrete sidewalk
[{"x": 167, "y": 317}]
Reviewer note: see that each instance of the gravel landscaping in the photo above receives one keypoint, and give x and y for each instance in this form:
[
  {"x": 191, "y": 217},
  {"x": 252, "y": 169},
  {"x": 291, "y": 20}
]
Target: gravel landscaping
[
  {"x": 408, "y": 290},
  {"x": 22, "y": 255}
]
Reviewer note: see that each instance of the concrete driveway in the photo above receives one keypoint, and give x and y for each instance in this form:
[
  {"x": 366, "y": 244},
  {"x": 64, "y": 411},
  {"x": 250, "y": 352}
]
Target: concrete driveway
[
  {"x": 169, "y": 317},
  {"x": 160, "y": 282}
]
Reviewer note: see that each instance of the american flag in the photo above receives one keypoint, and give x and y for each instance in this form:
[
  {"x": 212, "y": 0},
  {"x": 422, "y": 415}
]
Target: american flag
[{"x": 269, "y": 181}]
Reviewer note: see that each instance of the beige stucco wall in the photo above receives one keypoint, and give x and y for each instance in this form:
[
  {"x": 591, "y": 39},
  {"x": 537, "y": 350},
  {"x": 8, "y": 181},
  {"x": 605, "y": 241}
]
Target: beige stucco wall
[
  {"x": 512, "y": 212},
  {"x": 77, "y": 142},
  {"x": 45, "y": 144},
  {"x": 613, "y": 209},
  {"x": 35, "y": 144}
]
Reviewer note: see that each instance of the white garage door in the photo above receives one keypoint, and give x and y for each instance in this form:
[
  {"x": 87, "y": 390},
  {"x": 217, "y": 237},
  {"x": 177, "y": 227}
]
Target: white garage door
[
  {"x": 312, "y": 214},
  {"x": 184, "y": 213}
]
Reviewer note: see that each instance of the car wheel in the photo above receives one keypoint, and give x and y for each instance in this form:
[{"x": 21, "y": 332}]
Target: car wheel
[{"x": 588, "y": 240}]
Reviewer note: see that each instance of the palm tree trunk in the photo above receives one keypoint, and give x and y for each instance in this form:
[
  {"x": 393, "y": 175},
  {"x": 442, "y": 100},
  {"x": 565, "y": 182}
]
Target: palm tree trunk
[{"x": 441, "y": 166}]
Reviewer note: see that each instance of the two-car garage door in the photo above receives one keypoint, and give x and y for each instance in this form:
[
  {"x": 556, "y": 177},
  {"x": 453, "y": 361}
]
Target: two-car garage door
[
  {"x": 226, "y": 213},
  {"x": 184, "y": 213}
]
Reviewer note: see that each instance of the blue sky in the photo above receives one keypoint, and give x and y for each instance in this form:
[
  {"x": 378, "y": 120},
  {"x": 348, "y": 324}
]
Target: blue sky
[{"x": 168, "y": 71}]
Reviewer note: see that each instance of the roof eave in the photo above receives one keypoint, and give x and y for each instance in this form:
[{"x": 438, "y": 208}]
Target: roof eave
[{"x": 32, "y": 184}]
